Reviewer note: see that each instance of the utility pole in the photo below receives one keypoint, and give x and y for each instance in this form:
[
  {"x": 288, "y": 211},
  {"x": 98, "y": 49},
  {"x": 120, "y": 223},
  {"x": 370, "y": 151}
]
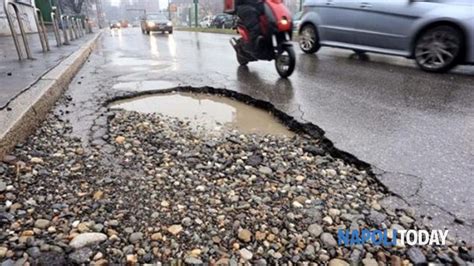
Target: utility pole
[
  {"x": 169, "y": 10},
  {"x": 98, "y": 6},
  {"x": 190, "y": 21},
  {"x": 196, "y": 13}
]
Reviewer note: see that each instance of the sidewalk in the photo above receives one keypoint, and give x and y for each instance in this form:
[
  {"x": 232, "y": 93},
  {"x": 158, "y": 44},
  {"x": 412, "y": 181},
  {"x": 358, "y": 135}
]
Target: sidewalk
[
  {"x": 29, "y": 88},
  {"x": 17, "y": 76}
]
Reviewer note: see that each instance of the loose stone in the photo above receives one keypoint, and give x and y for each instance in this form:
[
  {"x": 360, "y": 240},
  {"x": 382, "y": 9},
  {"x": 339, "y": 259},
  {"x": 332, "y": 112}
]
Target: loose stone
[
  {"x": 42, "y": 223},
  {"x": 175, "y": 229},
  {"x": 315, "y": 230},
  {"x": 328, "y": 240},
  {"x": 245, "y": 254},
  {"x": 86, "y": 239},
  {"x": 245, "y": 235}
]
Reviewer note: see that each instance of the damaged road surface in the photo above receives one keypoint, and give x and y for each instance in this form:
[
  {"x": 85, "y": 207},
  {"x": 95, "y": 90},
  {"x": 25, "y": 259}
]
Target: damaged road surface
[
  {"x": 208, "y": 113},
  {"x": 103, "y": 181}
]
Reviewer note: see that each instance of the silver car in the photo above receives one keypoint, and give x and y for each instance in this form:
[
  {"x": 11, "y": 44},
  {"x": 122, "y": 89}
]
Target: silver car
[{"x": 438, "y": 34}]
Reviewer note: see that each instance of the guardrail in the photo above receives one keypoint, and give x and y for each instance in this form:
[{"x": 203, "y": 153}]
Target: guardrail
[
  {"x": 6, "y": 4},
  {"x": 42, "y": 33},
  {"x": 64, "y": 22},
  {"x": 72, "y": 27},
  {"x": 54, "y": 19}
]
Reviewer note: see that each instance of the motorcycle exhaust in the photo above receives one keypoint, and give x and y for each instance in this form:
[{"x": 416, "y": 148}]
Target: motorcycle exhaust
[{"x": 233, "y": 42}]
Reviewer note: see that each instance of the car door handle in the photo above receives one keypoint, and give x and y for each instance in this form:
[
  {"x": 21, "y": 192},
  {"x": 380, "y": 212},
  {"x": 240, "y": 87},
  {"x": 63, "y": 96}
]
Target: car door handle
[
  {"x": 329, "y": 2},
  {"x": 365, "y": 5}
]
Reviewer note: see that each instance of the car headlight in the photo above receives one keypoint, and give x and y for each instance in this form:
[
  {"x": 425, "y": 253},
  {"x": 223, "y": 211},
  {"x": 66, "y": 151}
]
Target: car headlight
[
  {"x": 150, "y": 24},
  {"x": 169, "y": 24},
  {"x": 283, "y": 21},
  {"x": 118, "y": 24}
]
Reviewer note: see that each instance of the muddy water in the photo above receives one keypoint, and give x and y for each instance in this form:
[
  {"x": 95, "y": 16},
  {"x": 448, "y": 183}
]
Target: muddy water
[{"x": 209, "y": 112}]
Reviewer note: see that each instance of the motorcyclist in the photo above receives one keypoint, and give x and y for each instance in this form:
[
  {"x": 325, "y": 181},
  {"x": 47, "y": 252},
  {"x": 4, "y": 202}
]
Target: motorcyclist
[{"x": 249, "y": 12}]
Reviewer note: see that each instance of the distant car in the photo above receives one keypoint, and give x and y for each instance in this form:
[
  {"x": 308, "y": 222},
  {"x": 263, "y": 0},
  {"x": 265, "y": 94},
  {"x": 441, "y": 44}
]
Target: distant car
[
  {"x": 224, "y": 21},
  {"x": 124, "y": 24},
  {"x": 115, "y": 25},
  {"x": 206, "y": 22},
  {"x": 438, "y": 34},
  {"x": 156, "y": 22},
  {"x": 135, "y": 23}
]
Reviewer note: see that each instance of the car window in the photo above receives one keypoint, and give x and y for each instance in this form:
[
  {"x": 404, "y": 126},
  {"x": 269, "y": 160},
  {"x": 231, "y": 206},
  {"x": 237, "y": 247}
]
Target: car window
[{"x": 156, "y": 16}]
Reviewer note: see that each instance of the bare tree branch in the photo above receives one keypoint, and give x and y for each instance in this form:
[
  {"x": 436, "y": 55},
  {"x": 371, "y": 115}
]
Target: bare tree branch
[{"x": 74, "y": 6}]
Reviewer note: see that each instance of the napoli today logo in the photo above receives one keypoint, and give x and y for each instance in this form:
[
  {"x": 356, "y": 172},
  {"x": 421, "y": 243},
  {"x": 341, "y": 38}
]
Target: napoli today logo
[{"x": 392, "y": 237}]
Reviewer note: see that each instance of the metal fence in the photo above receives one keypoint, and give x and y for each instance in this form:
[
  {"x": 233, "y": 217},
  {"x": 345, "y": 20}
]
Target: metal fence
[{"x": 72, "y": 27}]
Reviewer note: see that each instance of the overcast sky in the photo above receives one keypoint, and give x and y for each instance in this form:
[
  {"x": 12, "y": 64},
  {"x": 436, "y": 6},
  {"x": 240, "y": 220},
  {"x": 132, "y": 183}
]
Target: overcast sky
[{"x": 163, "y": 3}]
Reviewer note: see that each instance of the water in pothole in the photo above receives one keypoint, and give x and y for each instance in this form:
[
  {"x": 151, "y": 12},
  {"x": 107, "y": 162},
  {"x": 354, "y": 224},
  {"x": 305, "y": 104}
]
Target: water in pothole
[{"x": 209, "y": 112}]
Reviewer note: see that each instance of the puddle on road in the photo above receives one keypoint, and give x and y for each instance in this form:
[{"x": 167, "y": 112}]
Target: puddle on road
[
  {"x": 130, "y": 61},
  {"x": 135, "y": 64},
  {"x": 209, "y": 112},
  {"x": 145, "y": 85}
]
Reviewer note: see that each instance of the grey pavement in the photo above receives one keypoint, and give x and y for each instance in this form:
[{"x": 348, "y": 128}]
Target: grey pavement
[{"x": 16, "y": 76}]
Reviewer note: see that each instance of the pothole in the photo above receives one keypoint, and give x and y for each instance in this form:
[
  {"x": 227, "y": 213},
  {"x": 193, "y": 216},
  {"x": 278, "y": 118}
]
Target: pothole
[{"x": 212, "y": 113}]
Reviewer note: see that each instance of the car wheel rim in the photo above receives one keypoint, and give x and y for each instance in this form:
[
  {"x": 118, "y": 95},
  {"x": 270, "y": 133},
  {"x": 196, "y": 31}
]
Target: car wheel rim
[
  {"x": 437, "y": 49},
  {"x": 283, "y": 61},
  {"x": 308, "y": 38}
]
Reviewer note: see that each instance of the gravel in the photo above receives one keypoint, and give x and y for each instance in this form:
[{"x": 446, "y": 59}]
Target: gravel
[{"x": 154, "y": 190}]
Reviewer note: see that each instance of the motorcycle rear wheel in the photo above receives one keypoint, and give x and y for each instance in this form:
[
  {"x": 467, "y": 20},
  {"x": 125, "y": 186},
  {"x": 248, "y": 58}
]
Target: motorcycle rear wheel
[
  {"x": 285, "y": 62},
  {"x": 242, "y": 60}
]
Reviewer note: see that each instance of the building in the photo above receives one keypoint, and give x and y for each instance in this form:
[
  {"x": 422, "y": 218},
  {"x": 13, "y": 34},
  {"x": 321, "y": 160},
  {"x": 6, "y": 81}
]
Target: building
[
  {"x": 26, "y": 14},
  {"x": 183, "y": 10}
]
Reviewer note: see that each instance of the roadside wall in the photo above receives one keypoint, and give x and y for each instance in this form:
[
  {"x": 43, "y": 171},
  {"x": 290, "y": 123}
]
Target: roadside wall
[{"x": 27, "y": 16}]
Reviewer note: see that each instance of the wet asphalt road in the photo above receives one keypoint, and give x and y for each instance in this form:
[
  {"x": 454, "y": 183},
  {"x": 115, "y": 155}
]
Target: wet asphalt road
[{"x": 415, "y": 128}]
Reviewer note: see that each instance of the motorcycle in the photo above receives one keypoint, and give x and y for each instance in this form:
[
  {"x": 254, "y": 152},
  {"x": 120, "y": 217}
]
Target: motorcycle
[{"x": 276, "y": 29}]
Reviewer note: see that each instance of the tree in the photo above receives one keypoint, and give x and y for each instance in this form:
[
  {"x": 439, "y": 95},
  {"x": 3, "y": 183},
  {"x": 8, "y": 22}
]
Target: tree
[
  {"x": 73, "y": 6},
  {"x": 211, "y": 7}
]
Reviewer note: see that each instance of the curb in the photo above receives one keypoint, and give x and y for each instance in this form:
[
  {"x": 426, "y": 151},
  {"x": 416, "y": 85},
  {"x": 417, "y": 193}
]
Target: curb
[{"x": 33, "y": 105}]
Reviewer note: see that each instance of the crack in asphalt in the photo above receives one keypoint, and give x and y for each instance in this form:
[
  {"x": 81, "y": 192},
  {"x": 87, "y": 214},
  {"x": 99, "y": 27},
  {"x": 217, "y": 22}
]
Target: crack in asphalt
[
  {"x": 456, "y": 218},
  {"x": 302, "y": 114},
  {"x": 419, "y": 183}
]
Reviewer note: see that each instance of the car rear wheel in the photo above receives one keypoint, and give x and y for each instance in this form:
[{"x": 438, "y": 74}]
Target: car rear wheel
[
  {"x": 309, "y": 42},
  {"x": 439, "y": 49}
]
